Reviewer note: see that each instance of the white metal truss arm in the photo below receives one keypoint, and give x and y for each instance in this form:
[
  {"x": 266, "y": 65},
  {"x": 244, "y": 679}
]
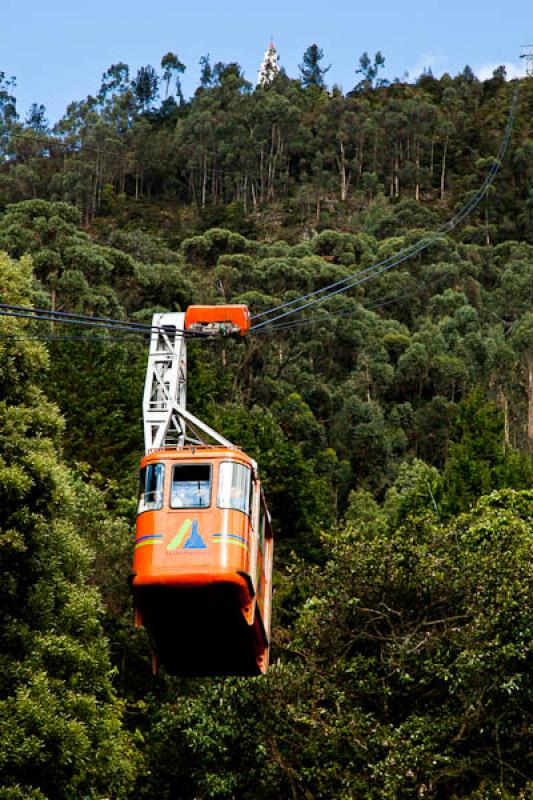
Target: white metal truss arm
[
  {"x": 165, "y": 414},
  {"x": 197, "y": 424},
  {"x": 166, "y": 383}
]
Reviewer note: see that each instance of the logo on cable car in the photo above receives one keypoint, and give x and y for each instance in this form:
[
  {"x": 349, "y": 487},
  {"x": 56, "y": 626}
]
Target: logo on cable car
[{"x": 193, "y": 541}]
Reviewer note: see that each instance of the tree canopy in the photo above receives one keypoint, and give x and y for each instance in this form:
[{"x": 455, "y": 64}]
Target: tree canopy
[{"x": 392, "y": 425}]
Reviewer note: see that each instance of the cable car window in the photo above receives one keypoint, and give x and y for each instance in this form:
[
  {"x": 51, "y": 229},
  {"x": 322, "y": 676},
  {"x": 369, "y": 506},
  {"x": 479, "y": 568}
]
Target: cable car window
[
  {"x": 234, "y": 486},
  {"x": 191, "y": 486},
  {"x": 151, "y": 483}
]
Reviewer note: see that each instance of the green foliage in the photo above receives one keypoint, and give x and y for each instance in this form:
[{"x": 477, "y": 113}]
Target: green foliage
[
  {"x": 205, "y": 249},
  {"x": 8, "y": 107},
  {"x": 419, "y": 636},
  {"x": 360, "y": 436},
  {"x": 318, "y": 159},
  {"x": 477, "y": 460},
  {"x": 299, "y": 497},
  {"x": 145, "y": 87},
  {"x": 370, "y": 70},
  {"x": 106, "y": 434},
  {"x": 78, "y": 273},
  {"x": 404, "y": 672},
  {"x": 60, "y": 720},
  {"x": 382, "y": 423},
  {"x": 413, "y": 492},
  {"x": 311, "y": 72}
]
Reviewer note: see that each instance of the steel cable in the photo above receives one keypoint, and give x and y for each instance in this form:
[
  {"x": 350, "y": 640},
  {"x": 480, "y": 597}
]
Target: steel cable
[
  {"x": 38, "y": 337},
  {"x": 71, "y": 315},
  {"x": 63, "y": 321},
  {"x": 67, "y": 318},
  {"x": 379, "y": 302}
]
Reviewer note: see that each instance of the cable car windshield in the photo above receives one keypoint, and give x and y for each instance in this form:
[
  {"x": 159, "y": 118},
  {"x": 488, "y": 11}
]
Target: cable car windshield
[
  {"x": 234, "y": 486},
  {"x": 151, "y": 483},
  {"x": 191, "y": 486}
]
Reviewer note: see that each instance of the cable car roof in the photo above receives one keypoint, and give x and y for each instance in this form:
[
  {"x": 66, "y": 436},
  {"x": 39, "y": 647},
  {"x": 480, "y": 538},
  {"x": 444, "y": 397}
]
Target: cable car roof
[{"x": 198, "y": 452}]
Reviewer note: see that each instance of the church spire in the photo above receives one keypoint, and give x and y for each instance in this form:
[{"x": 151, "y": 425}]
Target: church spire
[{"x": 270, "y": 65}]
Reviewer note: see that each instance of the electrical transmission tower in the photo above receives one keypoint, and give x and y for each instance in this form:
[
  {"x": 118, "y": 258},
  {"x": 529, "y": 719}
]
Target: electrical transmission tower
[{"x": 527, "y": 55}]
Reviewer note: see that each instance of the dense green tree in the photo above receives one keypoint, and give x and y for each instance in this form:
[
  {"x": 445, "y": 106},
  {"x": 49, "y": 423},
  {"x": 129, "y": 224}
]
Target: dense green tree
[
  {"x": 376, "y": 416},
  {"x": 268, "y": 146},
  {"x": 312, "y": 73},
  {"x": 404, "y": 672},
  {"x": 145, "y": 87},
  {"x": 60, "y": 720},
  {"x": 300, "y": 498},
  {"x": 206, "y": 74},
  {"x": 116, "y": 80},
  {"x": 77, "y": 273},
  {"x": 370, "y": 70},
  {"x": 523, "y": 342},
  {"x": 8, "y": 107},
  {"x": 478, "y": 461},
  {"x": 417, "y": 609},
  {"x": 36, "y": 118},
  {"x": 172, "y": 68}
]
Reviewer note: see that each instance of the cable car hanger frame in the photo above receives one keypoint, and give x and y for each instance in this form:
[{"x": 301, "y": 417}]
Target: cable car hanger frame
[{"x": 166, "y": 419}]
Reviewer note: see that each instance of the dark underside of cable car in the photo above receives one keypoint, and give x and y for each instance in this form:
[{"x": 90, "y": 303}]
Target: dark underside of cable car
[{"x": 199, "y": 630}]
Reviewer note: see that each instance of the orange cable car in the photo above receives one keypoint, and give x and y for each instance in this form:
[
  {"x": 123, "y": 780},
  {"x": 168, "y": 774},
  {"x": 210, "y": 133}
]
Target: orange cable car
[
  {"x": 203, "y": 551},
  {"x": 217, "y": 320},
  {"x": 202, "y": 561}
]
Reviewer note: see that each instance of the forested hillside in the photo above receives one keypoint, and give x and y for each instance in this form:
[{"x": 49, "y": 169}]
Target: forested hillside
[{"x": 392, "y": 424}]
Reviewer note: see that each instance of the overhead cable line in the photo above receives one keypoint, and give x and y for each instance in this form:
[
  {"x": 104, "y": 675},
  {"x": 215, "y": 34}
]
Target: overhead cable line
[
  {"x": 371, "y": 271},
  {"x": 58, "y": 338},
  {"x": 314, "y": 297},
  {"x": 379, "y": 302},
  {"x": 71, "y": 315},
  {"x": 426, "y": 242},
  {"x": 41, "y": 317},
  {"x": 45, "y": 315}
]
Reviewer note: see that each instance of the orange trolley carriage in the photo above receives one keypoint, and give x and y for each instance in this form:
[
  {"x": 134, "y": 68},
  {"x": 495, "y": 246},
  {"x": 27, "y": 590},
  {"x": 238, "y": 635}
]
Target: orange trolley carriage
[{"x": 202, "y": 565}]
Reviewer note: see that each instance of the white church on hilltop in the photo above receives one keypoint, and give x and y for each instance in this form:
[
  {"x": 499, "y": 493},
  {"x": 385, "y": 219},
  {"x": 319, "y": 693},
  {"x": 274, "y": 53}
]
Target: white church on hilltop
[{"x": 269, "y": 67}]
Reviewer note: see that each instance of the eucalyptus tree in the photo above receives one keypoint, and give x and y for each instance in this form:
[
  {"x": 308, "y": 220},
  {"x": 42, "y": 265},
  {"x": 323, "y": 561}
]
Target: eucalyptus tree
[
  {"x": 61, "y": 723},
  {"x": 172, "y": 68},
  {"x": 369, "y": 70},
  {"x": 8, "y": 108},
  {"x": 145, "y": 87},
  {"x": 36, "y": 118},
  {"x": 336, "y": 128},
  {"x": 522, "y": 339},
  {"x": 77, "y": 273},
  {"x": 206, "y": 72},
  {"x": 312, "y": 73}
]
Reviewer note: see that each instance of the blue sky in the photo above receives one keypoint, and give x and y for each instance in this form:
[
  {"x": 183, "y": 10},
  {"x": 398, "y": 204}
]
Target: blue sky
[{"x": 58, "y": 50}]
